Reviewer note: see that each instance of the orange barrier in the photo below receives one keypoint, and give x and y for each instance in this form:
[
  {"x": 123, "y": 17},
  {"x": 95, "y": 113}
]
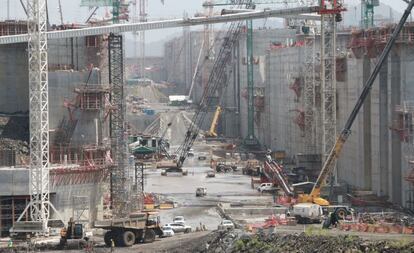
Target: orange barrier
[{"x": 376, "y": 228}]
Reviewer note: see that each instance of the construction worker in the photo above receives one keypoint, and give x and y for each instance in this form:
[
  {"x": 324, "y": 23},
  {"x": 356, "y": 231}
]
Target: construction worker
[
  {"x": 334, "y": 219},
  {"x": 10, "y": 245},
  {"x": 112, "y": 245}
]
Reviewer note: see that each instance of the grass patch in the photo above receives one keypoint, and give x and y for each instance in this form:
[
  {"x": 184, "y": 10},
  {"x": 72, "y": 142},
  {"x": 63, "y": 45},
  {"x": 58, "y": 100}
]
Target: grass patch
[{"x": 314, "y": 230}]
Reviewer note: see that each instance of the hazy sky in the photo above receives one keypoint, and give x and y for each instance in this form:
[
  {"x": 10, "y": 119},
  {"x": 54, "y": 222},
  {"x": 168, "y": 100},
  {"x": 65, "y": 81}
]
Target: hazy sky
[{"x": 172, "y": 8}]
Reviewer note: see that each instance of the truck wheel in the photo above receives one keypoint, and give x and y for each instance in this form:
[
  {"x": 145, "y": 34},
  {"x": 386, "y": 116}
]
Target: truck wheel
[
  {"x": 188, "y": 230},
  {"x": 149, "y": 236},
  {"x": 128, "y": 238},
  {"x": 107, "y": 238},
  {"x": 341, "y": 212}
]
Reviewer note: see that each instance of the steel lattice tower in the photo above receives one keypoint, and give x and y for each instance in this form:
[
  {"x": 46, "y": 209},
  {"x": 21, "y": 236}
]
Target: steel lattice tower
[
  {"x": 39, "y": 206},
  {"x": 328, "y": 85},
  {"x": 119, "y": 175}
]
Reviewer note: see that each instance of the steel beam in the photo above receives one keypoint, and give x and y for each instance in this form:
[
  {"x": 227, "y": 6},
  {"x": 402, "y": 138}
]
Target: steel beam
[{"x": 298, "y": 13}]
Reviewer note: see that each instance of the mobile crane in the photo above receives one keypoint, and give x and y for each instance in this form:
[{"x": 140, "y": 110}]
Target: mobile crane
[{"x": 212, "y": 132}]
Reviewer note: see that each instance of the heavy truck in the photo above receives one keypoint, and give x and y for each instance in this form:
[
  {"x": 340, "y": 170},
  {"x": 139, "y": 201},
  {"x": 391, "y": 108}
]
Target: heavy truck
[{"x": 125, "y": 232}]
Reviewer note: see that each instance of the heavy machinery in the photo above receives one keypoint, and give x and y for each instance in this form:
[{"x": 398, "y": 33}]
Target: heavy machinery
[
  {"x": 125, "y": 232},
  {"x": 73, "y": 232},
  {"x": 212, "y": 132}
]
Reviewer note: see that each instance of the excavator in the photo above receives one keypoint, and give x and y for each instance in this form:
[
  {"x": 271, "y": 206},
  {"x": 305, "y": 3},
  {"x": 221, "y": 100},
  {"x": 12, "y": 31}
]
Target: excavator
[{"x": 274, "y": 171}]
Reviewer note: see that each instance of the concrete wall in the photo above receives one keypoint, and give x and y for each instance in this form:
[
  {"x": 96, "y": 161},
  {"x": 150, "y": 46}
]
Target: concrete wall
[
  {"x": 14, "y": 77},
  {"x": 15, "y": 182},
  {"x": 71, "y": 54}
]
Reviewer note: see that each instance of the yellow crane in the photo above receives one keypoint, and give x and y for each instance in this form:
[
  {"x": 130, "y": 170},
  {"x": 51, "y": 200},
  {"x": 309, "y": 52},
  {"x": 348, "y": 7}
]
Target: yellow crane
[{"x": 212, "y": 133}]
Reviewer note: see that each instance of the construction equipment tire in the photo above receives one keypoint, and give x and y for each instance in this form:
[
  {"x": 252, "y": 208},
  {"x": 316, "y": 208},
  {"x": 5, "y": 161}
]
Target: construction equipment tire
[
  {"x": 149, "y": 236},
  {"x": 341, "y": 212},
  {"x": 128, "y": 238}
]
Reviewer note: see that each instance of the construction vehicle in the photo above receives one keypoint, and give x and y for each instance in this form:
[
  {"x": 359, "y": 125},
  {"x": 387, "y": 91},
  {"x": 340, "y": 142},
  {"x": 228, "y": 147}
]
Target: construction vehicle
[
  {"x": 212, "y": 133},
  {"x": 73, "y": 232},
  {"x": 125, "y": 232}
]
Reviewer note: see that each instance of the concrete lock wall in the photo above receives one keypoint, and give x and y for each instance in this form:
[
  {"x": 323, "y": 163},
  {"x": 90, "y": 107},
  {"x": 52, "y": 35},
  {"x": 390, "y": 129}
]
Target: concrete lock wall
[{"x": 374, "y": 158}]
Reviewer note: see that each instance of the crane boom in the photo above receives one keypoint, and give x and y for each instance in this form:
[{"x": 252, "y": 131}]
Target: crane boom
[
  {"x": 329, "y": 164},
  {"x": 215, "y": 80},
  {"x": 213, "y": 127}
]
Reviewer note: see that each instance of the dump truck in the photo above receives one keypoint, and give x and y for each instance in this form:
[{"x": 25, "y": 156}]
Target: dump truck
[{"x": 125, "y": 232}]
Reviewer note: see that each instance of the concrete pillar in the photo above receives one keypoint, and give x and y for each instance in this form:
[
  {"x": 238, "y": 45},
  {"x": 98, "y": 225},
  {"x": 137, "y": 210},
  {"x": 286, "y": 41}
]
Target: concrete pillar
[
  {"x": 383, "y": 129},
  {"x": 396, "y": 163},
  {"x": 366, "y": 71}
]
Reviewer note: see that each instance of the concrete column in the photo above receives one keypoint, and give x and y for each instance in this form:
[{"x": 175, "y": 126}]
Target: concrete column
[
  {"x": 366, "y": 71},
  {"x": 383, "y": 129},
  {"x": 396, "y": 163}
]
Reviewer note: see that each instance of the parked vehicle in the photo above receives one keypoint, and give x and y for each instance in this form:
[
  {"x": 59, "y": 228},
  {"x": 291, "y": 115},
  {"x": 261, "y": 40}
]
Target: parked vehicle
[
  {"x": 211, "y": 173},
  {"x": 202, "y": 157},
  {"x": 201, "y": 192},
  {"x": 226, "y": 224},
  {"x": 179, "y": 220},
  {"x": 266, "y": 187},
  {"x": 179, "y": 228},
  {"x": 167, "y": 231}
]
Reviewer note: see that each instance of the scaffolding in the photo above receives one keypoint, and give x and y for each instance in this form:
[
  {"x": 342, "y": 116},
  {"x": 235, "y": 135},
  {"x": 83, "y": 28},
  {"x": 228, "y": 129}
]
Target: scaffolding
[
  {"x": 91, "y": 97},
  {"x": 311, "y": 80}
]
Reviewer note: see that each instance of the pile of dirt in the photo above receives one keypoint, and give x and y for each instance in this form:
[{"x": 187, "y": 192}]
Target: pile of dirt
[
  {"x": 149, "y": 92},
  {"x": 21, "y": 147},
  {"x": 17, "y": 128},
  {"x": 238, "y": 241}
]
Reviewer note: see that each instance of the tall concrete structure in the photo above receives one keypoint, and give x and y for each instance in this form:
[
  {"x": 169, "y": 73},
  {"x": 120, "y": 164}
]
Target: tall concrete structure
[{"x": 375, "y": 157}]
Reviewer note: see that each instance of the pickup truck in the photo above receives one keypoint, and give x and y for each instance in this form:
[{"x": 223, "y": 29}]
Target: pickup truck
[
  {"x": 226, "y": 225},
  {"x": 179, "y": 228},
  {"x": 266, "y": 187}
]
